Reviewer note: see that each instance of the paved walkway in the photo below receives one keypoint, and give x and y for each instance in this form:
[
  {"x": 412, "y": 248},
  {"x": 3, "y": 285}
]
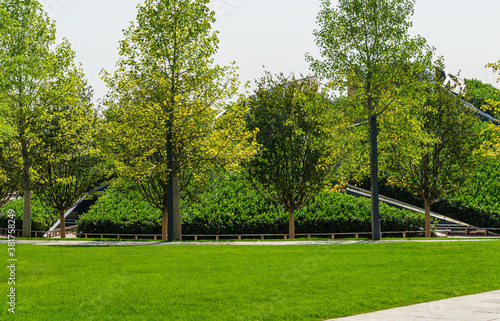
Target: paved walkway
[
  {"x": 81, "y": 242},
  {"x": 477, "y": 307}
]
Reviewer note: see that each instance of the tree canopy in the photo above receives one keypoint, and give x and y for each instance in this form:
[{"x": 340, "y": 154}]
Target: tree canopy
[
  {"x": 167, "y": 122},
  {"x": 446, "y": 157},
  {"x": 298, "y": 146},
  {"x": 368, "y": 55},
  {"x": 31, "y": 66}
]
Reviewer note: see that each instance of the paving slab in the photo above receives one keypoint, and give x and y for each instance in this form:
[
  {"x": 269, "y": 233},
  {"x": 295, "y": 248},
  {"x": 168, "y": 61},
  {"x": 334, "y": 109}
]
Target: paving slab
[
  {"x": 476, "y": 307},
  {"x": 83, "y": 242}
]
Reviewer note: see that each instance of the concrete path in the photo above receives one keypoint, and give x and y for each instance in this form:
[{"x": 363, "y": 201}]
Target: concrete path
[
  {"x": 82, "y": 242},
  {"x": 477, "y": 307}
]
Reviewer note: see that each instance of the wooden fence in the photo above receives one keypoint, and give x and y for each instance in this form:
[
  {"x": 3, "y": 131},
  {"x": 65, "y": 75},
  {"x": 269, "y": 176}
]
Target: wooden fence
[{"x": 218, "y": 237}]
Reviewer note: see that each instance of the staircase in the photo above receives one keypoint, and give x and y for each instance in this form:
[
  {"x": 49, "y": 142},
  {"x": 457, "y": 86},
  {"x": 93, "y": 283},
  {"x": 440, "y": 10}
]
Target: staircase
[
  {"x": 70, "y": 218},
  {"x": 445, "y": 226}
]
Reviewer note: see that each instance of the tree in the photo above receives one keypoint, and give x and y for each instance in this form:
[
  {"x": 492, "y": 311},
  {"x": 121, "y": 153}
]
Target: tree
[
  {"x": 368, "y": 53},
  {"x": 297, "y": 145},
  {"x": 494, "y": 148},
  {"x": 9, "y": 173},
  {"x": 445, "y": 159},
  {"x": 164, "y": 101},
  {"x": 67, "y": 162},
  {"x": 28, "y": 62}
]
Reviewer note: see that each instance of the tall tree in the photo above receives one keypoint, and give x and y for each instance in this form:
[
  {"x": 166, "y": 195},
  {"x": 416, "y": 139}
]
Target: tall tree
[
  {"x": 367, "y": 52},
  {"x": 164, "y": 101},
  {"x": 67, "y": 162},
  {"x": 297, "y": 144},
  {"x": 28, "y": 61},
  {"x": 445, "y": 157}
]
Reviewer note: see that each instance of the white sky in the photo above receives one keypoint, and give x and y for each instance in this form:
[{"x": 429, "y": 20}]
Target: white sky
[{"x": 277, "y": 34}]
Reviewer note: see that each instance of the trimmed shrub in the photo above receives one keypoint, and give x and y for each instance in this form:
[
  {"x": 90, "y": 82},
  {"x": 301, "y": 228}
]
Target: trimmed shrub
[
  {"x": 478, "y": 206},
  {"x": 41, "y": 219},
  {"x": 232, "y": 206},
  {"x": 121, "y": 212}
]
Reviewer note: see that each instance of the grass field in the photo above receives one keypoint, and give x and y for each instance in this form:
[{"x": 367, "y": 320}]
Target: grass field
[{"x": 226, "y": 282}]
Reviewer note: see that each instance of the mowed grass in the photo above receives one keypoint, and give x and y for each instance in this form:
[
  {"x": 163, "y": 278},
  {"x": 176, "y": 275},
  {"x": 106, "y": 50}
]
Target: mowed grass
[{"x": 231, "y": 282}]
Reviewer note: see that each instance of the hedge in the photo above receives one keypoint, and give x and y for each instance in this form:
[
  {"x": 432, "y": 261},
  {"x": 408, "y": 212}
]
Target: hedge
[
  {"x": 478, "y": 206},
  {"x": 232, "y": 206},
  {"x": 41, "y": 219}
]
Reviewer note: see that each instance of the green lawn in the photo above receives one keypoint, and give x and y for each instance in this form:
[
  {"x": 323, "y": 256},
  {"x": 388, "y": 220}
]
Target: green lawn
[{"x": 226, "y": 282}]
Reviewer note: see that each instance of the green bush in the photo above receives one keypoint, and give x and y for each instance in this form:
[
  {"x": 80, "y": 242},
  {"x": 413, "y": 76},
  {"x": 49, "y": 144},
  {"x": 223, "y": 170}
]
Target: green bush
[
  {"x": 478, "y": 93},
  {"x": 232, "y": 206},
  {"x": 484, "y": 190},
  {"x": 339, "y": 212},
  {"x": 41, "y": 219},
  {"x": 120, "y": 211},
  {"x": 479, "y": 205}
]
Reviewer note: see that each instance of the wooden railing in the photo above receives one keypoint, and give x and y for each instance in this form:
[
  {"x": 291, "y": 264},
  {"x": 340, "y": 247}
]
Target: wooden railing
[
  {"x": 54, "y": 233},
  {"x": 57, "y": 232},
  {"x": 218, "y": 237}
]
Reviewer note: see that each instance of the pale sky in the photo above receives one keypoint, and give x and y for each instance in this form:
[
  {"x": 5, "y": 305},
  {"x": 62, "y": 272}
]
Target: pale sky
[{"x": 277, "y": 34}]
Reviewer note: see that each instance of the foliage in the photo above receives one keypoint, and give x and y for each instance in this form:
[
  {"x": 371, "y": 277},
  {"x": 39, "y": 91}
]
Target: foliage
[
  {"x": 493, "y": 147},
  {"x": 232, "y": 206},
  {"x": 297, "y": 140},
  {"x": 9, "y": 172},
  {"x": 482, "y": 95},
  {"x": 67, "y": 162},
  {"x": 42, "y": 219},
  {"x": 368, "y": 53},
  {"x": 476, "y": 206},
  {"x": 445, "y": 160},
  {"x": 31, "y": 64},
  {"x": 166, "y": 94},
  {"x": 483, "y": 190},
  {"x": 120, "y": 212}
]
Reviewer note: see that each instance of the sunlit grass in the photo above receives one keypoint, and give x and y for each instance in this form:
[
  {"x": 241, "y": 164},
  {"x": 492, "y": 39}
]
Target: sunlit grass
[{"x": 198, "y": 282}]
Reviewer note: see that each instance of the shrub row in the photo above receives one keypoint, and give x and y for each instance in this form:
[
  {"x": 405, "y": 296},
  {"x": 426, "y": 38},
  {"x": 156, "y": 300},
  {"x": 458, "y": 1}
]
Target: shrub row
[
  {"x": 478, "y": 206},
  {"x": 41, "y": 219},
  {"x": 231, "y": 206}
]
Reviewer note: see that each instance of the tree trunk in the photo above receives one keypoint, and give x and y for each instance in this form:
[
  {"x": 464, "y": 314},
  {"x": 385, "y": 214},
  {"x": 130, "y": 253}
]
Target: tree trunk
[
  {"x": 291, "y": 225},
  {"x": 427, "y": 219},
  {"x": 164, "y": 222},
  {"x": 177, "y": 207},
  {"x": 62, "y": 224},
  {"x": 375, "y": 203},
  {"x": 27, "y": 214},
  {"x": 27, "y": 186},
  {"x": 169, "y": 221}
]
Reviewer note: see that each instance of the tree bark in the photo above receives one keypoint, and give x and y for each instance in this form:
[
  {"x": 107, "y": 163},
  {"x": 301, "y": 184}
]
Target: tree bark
[
  {"x": 27, "y": 185},
  {"x": 164, "y": 224},
  {"x": 375, "y": 203},
  {"x": 27, "y": 214},
  {"x": 177, "y": 207},
  {"x": 291, "y": 225},
  {"x": 62, "y": 224},
  {"x": 427, "y": 219}
]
